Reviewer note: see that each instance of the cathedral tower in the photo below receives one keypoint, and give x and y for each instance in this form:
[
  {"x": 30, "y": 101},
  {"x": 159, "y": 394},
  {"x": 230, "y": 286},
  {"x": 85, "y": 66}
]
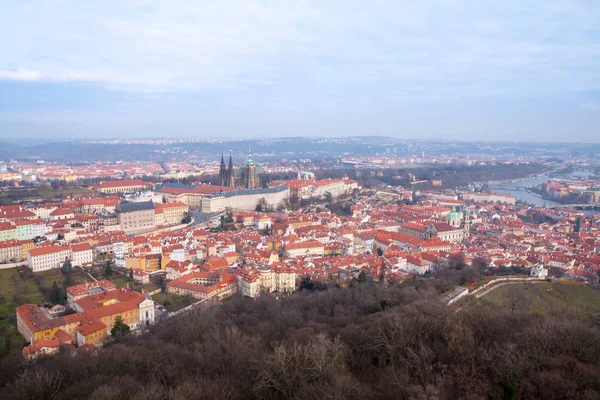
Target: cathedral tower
[
  {"x": 230, "y": 173},
  {"x": 250, "y": 181},
  {"x": 222, "y": 172}
]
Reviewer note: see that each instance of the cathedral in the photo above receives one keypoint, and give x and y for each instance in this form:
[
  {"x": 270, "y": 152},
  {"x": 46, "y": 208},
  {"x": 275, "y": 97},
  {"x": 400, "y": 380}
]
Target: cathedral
[{"x": 246, "y": 178}]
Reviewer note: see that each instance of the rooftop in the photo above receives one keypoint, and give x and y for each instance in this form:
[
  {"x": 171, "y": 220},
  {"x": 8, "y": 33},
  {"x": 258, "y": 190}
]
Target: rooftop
[{"x": 125, "y": 207}]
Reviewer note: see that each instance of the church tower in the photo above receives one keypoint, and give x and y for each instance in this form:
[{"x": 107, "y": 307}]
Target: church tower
[
  {"x": 466, "y": 222},
  {"x": 250, "y": 181},
  {"x": 222, "y": 172},
  {"x": 230, "y": 173},
  {"x": 453, "y": 218}
]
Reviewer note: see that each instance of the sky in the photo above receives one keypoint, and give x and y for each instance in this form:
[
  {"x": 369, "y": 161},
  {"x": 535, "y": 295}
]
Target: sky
[{"x": 447, "y": 69}]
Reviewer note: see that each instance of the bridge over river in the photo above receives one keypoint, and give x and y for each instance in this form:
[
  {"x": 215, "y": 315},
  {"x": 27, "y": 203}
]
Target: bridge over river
[{"x": 582, "y": 206}]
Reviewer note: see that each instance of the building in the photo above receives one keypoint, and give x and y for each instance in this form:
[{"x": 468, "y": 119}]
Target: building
[
  {"x": 45, "y": 258},
  {"x": 61, "y": 213},
  {"x": 10, "y": 251},
  {"x": 91, "y": 331},
  {"x": 82, "y": 254},
  {"x": 95, "y": 318},
  {"x": 251, "y": 181},
  {"x": 9, "y": 213},
  {"x": 77, "y": 292},
  {"x": 8, "y": 230},
  {"x": 99, "y": 204},
  {"x": 488, "y": 197},
  {"x": 190, "y": 195},
  {"x": 539, "y": 271},
  {"x": 310, "y": 247},
  {"x": 170, "y": 213},
  {"x": 30, "y": 228},
  {"x": 307, "y": 188},
  {"x": 42, "y": 211},
  {"x": 254, "y": 281},
  {"x": 226, "y": 174},
  {"x": 245, "y": 200},
  {"x": 136, "y": 217},
  {"x": 247, "y": 178},
  {"x": 443, "y": 231},
  {"x": 147, "y": 263},
  {"x": 123, "y": 186},
  {"x": 204, "y": 285}
]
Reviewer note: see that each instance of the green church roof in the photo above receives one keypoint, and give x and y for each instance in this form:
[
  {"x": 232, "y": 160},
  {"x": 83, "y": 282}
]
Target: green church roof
[
  {"x": 453, "y": 214},
  {"x": 249, "y": 160}
]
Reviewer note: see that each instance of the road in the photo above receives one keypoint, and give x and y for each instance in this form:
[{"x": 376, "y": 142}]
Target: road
[{"x": 201, "y": 219}]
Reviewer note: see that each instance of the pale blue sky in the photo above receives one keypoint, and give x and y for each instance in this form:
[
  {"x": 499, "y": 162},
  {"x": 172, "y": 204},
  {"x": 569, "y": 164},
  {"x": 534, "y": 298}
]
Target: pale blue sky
[{"x": 513, "y": 69}]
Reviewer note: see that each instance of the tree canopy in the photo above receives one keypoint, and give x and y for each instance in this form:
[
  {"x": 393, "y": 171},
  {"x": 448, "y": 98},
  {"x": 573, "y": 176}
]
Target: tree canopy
[{"x": 119, "y": 328}]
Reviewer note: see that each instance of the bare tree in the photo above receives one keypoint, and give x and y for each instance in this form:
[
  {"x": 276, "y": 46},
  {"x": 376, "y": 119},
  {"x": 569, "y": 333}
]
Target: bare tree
[{"x": 516, "y": 300}]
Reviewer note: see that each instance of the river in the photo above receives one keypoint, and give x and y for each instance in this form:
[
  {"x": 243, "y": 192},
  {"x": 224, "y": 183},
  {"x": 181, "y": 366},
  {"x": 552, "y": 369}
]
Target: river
[{"x": 517, "y": 189}]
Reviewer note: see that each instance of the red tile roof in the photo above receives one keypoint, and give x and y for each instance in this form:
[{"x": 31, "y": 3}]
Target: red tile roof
[
  {"x": 41, "y": 251},
  {"x": 123, "y": 183}
]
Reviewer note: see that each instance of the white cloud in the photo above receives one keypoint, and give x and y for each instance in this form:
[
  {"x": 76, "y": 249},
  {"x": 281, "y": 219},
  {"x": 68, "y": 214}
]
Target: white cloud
[
  {"x": 19, "y": 75},
  {"x": 435, "y": 49}
]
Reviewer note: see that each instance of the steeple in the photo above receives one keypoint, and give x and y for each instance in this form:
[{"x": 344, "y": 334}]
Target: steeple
[
  {"x": 230, "y": 173},
  {"x": 250, "y": 179},
  {"x": 249, "y": 160},
  {"x": 222, "y": 171}
]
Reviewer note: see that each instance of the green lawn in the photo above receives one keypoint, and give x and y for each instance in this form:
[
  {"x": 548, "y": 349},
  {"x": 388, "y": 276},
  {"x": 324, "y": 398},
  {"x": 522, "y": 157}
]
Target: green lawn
[
  {"x": 149, "y": 287},
  {"x": 117, "y": 278},
  {"x": 546, "y": 298},
  {"x": 20, "y": 286},
  {"x": 17, "y": 195},
  {"x": 172, "y": 301}
]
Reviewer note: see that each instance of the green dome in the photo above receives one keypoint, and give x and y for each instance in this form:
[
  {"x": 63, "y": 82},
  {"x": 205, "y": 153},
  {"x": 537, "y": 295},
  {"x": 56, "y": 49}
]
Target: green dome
[
  {"x": 453, "y": 214},
  {"x": 249, "y": 160}
]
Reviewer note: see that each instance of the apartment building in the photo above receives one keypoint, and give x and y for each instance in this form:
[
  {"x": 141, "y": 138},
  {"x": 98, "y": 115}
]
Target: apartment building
[
  {"x": 9, "y": 213},
  {"x": 204, "y": 285},
  {"x": 170, "y": 213},
  {"x": 310, "y": 247},
  {"x": 77, "y": 292},
  {"x": 45, "y": 258},
  {"x": 488, "y": 197},
  {"x": 82, "y": 254},
  {"x": 136, "y": 217},
  {"x": 10, "y": 251},
  {"x": 123, "y": 186},
  {"x": 252, "y": 282}
]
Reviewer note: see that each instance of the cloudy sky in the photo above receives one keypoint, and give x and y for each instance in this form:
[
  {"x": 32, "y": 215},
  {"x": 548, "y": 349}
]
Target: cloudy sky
[{"x": 448, "y": 69}]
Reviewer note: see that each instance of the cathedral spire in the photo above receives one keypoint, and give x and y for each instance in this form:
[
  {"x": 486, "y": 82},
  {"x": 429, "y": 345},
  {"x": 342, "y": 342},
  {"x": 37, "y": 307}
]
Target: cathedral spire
[{"x": 222, "y": 171}]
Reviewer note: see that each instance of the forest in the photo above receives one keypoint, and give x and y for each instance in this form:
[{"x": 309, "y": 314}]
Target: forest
[{"x": 364, "y": 342}]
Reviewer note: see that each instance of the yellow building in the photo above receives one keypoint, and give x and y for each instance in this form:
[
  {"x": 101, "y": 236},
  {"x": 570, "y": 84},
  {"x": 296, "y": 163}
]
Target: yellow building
[
  {"x": 123, "y": 186},
  {"x": 136, "y": 217},
  {"x": 171, "y": 213},
  {"x": 147, "y": 263}
]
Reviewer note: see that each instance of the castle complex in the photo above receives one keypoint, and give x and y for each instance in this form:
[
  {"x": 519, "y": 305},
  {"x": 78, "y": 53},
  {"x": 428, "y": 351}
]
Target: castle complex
[{"x": 246, "y": 178}]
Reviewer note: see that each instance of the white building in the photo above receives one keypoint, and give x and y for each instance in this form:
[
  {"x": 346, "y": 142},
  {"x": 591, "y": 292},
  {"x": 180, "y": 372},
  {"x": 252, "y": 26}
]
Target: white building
[
  {"x": 82, "y": 254},
  {"x": 251, "y": 282},
  {"x": 539, "y": 271},
  {"x": 44, "y": 258}
]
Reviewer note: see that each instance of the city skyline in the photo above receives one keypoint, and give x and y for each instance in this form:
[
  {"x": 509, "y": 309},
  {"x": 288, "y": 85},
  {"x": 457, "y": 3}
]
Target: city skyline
[{"x": 440, "y": 70}]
